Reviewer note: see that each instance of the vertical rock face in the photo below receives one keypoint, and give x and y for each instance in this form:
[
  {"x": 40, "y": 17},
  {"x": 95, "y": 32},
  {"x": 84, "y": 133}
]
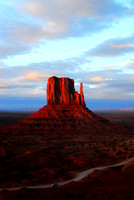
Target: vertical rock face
[
  {"x": 61, "y": 91},
  {"x": 82, "y": 95}
]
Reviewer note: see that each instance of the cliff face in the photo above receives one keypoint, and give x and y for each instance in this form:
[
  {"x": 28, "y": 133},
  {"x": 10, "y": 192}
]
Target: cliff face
[{"x": 62, "y": 91}]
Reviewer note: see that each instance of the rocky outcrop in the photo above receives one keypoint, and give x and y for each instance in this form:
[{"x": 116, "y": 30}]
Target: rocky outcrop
[
  {"x": 62, "y": 91},
  {"x": 65, "y": 112}
]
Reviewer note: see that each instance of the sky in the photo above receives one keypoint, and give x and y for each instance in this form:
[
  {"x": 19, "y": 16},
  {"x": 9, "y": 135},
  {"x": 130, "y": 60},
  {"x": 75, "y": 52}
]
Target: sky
[{"x": 90, "y": 41}]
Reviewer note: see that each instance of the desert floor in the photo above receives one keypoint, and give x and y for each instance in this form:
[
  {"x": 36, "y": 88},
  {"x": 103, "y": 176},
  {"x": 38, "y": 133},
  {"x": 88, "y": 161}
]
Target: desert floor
[{"x": 34, "y": 160}]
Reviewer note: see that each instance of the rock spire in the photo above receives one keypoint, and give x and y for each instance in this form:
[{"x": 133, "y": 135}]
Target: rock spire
[{"x": 62, "y": 91}]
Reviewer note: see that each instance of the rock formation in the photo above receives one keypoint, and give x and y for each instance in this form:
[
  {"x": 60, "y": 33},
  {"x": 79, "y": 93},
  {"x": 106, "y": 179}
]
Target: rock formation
[
  {"x": 82, "y": 95},
  {"x": 65, "y": 112},
  {"x": 62, "y": 91}
]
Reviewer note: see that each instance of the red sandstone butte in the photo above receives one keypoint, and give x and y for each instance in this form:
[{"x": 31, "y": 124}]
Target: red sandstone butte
[{"x": 62, "y": 91}]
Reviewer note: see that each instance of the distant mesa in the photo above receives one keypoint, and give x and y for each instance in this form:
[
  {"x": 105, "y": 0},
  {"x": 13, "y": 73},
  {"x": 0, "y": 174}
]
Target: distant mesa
[{"x": 62, "y": 91}]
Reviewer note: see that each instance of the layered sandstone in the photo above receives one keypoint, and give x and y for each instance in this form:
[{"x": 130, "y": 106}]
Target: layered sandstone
[{"x": 62, "y": 91}]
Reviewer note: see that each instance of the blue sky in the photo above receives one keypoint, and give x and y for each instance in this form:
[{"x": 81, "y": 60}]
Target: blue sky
[{"x": 91, "y": 41}]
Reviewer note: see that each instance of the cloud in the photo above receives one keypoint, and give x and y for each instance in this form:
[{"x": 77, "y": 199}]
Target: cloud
[
  {"x": 113, "y": 47},
  {"x": 25, "y": 24},
  {"x": 2, "y": 85},
  {"x": 128, "y": 65},
  {"x": 18, "y": 37},
  {"x": 116, "y": 85},
  {"x": 33, "y": 76},
  {"x": 99, "y": 79},
  {"x": 31, "y": 80},
  {"x": 51, "y": 9},
  {"x": 15, "y": 80},
  {"x": 71, "y": 18},
  {"x": 19, "y": 33}
]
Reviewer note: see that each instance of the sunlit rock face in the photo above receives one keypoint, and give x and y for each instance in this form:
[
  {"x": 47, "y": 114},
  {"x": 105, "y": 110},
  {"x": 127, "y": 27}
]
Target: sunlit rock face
[{"x": 62, "y": 91}]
